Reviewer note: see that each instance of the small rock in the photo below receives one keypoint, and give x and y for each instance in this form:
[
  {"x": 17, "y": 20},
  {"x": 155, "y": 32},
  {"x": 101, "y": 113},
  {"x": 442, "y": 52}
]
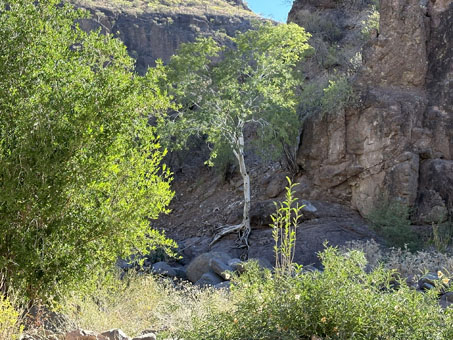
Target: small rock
[
  {"x": 163, "y": 268},
  {"x": 315, "y": 337},
  {"x": 448, "y": 296},
  {"x": 147, "y": 336},
  {"x": 209, "y": 279},
  {"x": 308, "y": 207},
  {"x": 27, "y": 337},
  {"x": 115, "y": 334},
  {"x": 221, "y": 269},
  {"x": 223, "y": 285},
  {"x": 430, "y": 280},
  {"x": 81, "y": 334}
]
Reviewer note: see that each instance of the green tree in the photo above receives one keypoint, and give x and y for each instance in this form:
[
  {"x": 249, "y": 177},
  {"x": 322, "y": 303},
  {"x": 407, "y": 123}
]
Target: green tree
[
  {"x": 251, "y": 83},
  {"x": 80, "y": 172}
]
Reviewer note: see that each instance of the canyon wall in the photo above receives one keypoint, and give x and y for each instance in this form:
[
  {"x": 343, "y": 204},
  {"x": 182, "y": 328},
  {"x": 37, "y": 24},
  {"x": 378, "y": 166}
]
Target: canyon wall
[{"x": 396, "y": 140}]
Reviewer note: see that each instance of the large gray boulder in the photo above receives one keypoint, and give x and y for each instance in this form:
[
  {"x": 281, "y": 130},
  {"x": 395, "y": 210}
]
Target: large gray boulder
[{"x": 202, "y": 264}]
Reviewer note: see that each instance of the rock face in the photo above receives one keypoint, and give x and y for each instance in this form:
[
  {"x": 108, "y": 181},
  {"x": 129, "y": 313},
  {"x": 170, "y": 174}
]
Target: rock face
[
  {"x": 152, "y": 33},
  {"x": 397, "y": 140}
]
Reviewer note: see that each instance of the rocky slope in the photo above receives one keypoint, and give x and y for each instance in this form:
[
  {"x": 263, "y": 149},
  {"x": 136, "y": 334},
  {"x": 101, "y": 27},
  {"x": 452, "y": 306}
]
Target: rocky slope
[
  {"x": 153, "y": 30},
  {"x": 396, "y": 141}
]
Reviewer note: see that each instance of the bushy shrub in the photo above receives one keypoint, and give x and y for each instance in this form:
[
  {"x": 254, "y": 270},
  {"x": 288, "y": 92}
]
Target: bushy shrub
[
  {"x": 337, "y": 94},
  {"x": 9, "y": 320},
  {"x": 80, "y": 173},
  {"x": 342, "y": 302}
]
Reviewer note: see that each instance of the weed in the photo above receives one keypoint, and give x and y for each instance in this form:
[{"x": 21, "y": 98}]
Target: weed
[{"x": 284, "y": 223}]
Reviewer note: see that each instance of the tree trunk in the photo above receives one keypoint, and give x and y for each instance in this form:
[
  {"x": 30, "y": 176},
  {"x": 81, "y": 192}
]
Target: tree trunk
[{"x": 246, "y": 228}]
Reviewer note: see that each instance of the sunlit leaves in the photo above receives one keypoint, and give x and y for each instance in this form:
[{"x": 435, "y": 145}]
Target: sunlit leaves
[{"x": 80, "y": 172}]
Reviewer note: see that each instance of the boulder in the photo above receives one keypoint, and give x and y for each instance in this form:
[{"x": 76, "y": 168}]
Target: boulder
[
  {"x": 81, "y": 334},
  {"x": 336, "y": 227},
  {"x": 51, "y": 322},
  {"x": 276, "y": 185},
  {"x": 163, "y": 268},
  {"x": 180, "y": 273},
  {"x": 236, "y": 264},
  {"x": 115, "y": 334},
  {"x": 209, "y": 279},
  {"x": 201, "y": 264},
  {"x": 222, "y": 269},
  {"x": 448, "y": 296}
]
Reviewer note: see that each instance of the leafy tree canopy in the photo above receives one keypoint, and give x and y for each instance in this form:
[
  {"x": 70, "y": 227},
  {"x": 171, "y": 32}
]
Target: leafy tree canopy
[
  {"x": 222, "y": 90},
  {"x": 80, "y": 172}
]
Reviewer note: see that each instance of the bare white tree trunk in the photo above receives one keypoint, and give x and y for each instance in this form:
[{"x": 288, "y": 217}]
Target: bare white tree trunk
[{"x": 246, "y": 228}]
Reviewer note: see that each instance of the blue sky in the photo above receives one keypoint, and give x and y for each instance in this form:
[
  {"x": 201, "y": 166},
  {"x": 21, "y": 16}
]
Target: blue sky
[{"x": 274, "y": 9}]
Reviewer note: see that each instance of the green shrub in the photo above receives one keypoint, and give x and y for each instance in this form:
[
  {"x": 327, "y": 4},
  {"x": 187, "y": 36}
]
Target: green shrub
[
  {"x": 80, "y": 172},
  {"x": 337, "y": 94},
  {"x": 342, "y": 302},
  {"x": 390, "y": 219}
]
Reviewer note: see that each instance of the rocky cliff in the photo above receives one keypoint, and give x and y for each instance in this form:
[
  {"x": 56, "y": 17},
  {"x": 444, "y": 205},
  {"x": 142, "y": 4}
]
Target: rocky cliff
[
  {"x": 153, "y": 30},
  {"x": 396, "y": 140}
]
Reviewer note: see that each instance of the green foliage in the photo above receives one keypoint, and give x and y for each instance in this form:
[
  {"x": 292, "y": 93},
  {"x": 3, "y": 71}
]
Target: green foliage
[
  {"x": 284, "y": 226},
  {"x": 80, "y": 172},
  {"x": 9, "y": 320},
  {"x": 342, "y": 302},
  {"x": 330, "y": 96},
  {"x": 390, "y": 219},
  {"x": 249, "y": 85},
  {"x": 337, "y": 95},
  {"x": 371, "y": 23}
]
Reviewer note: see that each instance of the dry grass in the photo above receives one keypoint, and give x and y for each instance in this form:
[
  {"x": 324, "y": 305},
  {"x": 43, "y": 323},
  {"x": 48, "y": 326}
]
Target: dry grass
[
  {"x": 197, "y": 7},
  {"x": 411, "y": 265},
  {"x": 139, "y": 303},
  {"x": 10, "y": 321}
]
